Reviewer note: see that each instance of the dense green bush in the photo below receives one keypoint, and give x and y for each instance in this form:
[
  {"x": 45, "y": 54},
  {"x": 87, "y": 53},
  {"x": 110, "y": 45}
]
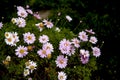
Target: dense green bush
[{"x": 18, "y": 55}]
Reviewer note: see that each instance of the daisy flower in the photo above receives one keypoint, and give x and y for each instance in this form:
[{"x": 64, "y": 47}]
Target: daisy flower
[
  {"x": 40, "y": 26},
  {"x": 72, "y": 50},
  {"x": 11, "y": 38},
  {"x": 32, "y": 66},
  {"x": 29, "y": 11},
  {"x": 29, "y": 38},
  {"x": 96, "y": 51},
  {"x": 62, "y": 76},
  {"x": 61, "y": 61},
  {"x": 65, "y": 46},
  {"x": 8, "y": 58},
  {"x": 26, "y": 72},
  {"x": 48, "y": 24},
  {"x": 48, "y": 46},
  {"x": 76, "y": 42},
  {"x": 14, "y": 20},
  {"x": 22, "y": 12},
  {"x": 21, "y": 51},
  {"x": 43, "y": 53},
  {"x": 20, "y": 22},
  {"x": 83, "y": 36},
  {"x": 8, "y": 34},
  {"x": 43, "y": 39},
  {"x": 10, "y": 41},
  {"x": 84, "y": 60},
  {"x": 84, "y": 56},
  {"x": 30, "y": 78},
  {"x": 68, "y": 18},
  {"x": 90, "y": 31},
  {"x": 93, "y": 40},
  {"x": 1, "y": 25},
  {"x": 57, "y": 29},
  {"x": 16, "y": 37},
  {"x": 36, "y": 15}
]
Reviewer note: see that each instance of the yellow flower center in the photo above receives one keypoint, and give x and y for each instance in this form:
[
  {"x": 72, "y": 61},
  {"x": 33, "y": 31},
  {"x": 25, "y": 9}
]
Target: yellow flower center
[
  {"x": 61, "y": 77},
  {"x": 9, "y": 39},
  {"x": 32, "y": 67},
  {"x": 41, "y": 25},
  {"x": 29, "y": 37},
  {"x": 61, "y": 61},
  {"x": 27, "y": 63},
  {"x": 6, "y": 35},
  {"x": 49, "y": 56},
  {"x": 43, "y": 52},
  {"x": 22, "y": 51},
  {"x": 48, "y": 23}
]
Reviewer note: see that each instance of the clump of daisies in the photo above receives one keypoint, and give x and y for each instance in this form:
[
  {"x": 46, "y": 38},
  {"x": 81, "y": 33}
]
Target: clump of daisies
[
  {"x": 30, "y": 66},
  {"x": 40, "y": 49}
]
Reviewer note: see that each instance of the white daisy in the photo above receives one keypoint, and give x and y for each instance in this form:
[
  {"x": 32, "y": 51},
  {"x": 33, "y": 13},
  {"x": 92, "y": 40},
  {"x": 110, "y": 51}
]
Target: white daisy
[
  {"x": 20, "y": 22},
  {"x": 68, "y": 18},
  {"x": 43, "y": 39},
  {"x": 93, "y": 40},
  {"x": 62, "y": 76},
  {"x": 48, "y": 46},
  {"x": 21, "y": 51},
  {"x": 26, "y": 72},
  {"x": 29, "y": 38}
]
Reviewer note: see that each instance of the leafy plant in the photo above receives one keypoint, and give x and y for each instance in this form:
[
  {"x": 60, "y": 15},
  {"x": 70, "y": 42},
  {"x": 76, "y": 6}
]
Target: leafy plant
[{"x": 32, "y": 47}]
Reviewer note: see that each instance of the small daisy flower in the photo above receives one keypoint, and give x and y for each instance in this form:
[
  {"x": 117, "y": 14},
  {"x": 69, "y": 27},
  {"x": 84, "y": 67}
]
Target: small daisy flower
[
  {"x": 14, "y": 20},
  {"x": 48, "y": 24},
  {"x": 22, "y": 12},
  {"x": 90, "y": 31},
  {"x": 20, "y": 8},
  {"x": 72, "y": 50},
  {"x": 10, "y": 41},
  {"x": 8, "y": 34},
  {"x": 16, "y": 37},
  {"x": 26, "y": 72},
  {"x": 96, "y": 51},
  {"x": 65, "y": 46},
  {"x": 40, "y": 26},
  {"x": 21, "y": 51},
  {"x": 62, "y": 76},
  {"x": 11, "y": 38},
  {"x": 76, "y": 42},
  {"x": 83, "y": 36},
  {"x": 84, "y": 56},
  {"x": 84, "y": 60},
  {"x": 43, "y": 39},
  {"x": 8, "y": 58},
  {"x": 93, "y": 40},
  {"x": 20, "y": 22},
  {"x": 85, "y": 53},
  {"x": 36, "y": 15},
  {"x": 29, "y": 11},
  {"x": 61, "y": 61},
  {"x": 68, "y": 18},
  {"x": 57, "y": 29},
  {"x": 43, "y": 53},
  {"x": 29, "y": 38},
  {"x": 48, "y": 46},
  {"x": 32, "y": 66},
  {"x": 1, "y": 25},
  {"x": 30, "y": 79}
]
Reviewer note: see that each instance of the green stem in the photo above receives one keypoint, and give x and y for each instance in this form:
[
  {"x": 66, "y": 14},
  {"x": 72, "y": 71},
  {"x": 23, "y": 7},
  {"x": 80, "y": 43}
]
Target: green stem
[{"x": 76, "y": 27}]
